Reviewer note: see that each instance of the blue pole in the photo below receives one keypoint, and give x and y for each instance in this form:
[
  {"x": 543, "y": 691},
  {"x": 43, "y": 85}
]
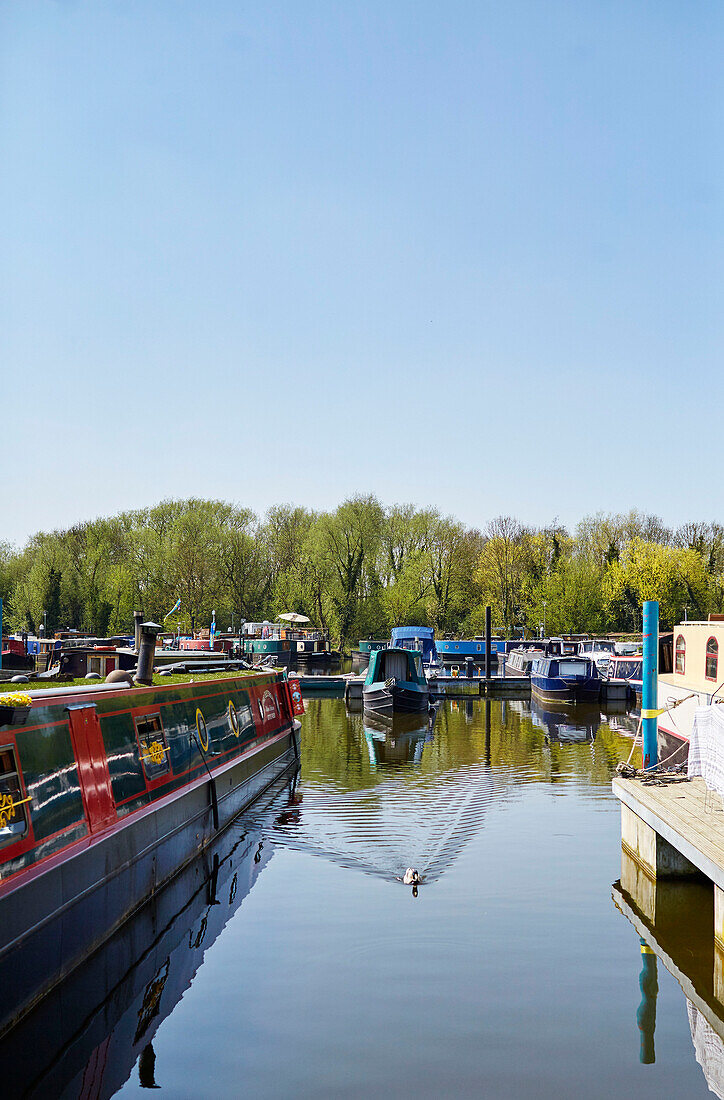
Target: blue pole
[{"x": 649, "y": 694}]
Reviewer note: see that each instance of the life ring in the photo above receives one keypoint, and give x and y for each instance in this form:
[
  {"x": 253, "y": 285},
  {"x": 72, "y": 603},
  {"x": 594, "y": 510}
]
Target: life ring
[{"x": 233, "y": 719}]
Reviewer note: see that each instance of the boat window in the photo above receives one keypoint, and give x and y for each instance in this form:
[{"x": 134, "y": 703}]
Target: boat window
[
  {"x": 95, "y": 665},
  {"x": 680, "y": 654},
  {"x": 712, "y": 658},
  {"x": 154, "y": 750},
  {"x": 572, "y": 668},
  {"x": 13, "y": 818}
]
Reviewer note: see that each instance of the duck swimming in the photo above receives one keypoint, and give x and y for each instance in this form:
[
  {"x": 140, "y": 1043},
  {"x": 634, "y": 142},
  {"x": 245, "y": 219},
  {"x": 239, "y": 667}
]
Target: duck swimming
[{"x": 411, "y": 877}]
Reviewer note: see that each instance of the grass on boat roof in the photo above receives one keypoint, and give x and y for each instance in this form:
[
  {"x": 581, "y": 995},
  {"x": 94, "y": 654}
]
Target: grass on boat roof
[{"x": 176, "y": 678}]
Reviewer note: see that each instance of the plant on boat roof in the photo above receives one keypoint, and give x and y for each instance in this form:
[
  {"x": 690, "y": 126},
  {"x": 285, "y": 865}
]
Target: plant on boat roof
[{"x": 15, "y": 699}]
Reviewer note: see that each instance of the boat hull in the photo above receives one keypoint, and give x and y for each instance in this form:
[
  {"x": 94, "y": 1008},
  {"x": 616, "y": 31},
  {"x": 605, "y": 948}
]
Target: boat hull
[
  {"x": 399, "y": 698},
  {"x": 113, "y": 1003},
  {"x": 554, "y": 689},
  {"x": 53, "y": 920}
]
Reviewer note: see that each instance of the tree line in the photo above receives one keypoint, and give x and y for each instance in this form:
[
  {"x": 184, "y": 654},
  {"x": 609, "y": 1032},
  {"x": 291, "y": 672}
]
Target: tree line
[{"x": 361, "y": 569}]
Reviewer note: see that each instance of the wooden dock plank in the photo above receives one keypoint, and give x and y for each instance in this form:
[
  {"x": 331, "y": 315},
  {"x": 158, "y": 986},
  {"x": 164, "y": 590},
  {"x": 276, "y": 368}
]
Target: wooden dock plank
[{"x": 681, "y": 813}]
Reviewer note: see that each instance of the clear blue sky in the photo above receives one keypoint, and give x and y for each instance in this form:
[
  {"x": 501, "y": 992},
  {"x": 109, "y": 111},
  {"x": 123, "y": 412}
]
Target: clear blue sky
[{"x": 456, "y": 253}]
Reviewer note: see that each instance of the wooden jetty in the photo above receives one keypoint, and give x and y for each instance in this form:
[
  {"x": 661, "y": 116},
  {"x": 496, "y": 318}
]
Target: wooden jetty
[
  {"x": 672, "y": 831},
  {"x": 458, "y": 687},
  {"x": 324, "y": 685},
  {"x": 493, "y": 687}
]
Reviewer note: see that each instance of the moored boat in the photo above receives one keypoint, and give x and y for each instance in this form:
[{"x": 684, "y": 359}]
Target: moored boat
[
  {"x": 419, "y": 639},
  {"x": 395, "y": 683},
  {"x": 565, "y": 680},
  {"x": 599, "y": 650},
  {"x": 519, "y": 661},
  {"x": 106, "y": 792}
]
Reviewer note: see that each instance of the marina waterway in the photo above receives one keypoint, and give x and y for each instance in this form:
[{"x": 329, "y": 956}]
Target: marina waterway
[{"x": 293, "y": 961}]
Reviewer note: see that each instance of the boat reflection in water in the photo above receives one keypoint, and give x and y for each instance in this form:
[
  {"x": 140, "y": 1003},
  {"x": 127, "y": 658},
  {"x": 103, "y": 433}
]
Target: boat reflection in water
[
  {"x": 674, "y": 920},
  {"x": 397, "y": 740},
  {"x": 85, "y": 1037},
  {"x": 566, "y": 723}
]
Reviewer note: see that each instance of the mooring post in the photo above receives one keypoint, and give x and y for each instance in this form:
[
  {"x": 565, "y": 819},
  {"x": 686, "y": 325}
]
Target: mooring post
[
  {"x": 650, "y": 694},
  {"x": 488, "y": 634}
]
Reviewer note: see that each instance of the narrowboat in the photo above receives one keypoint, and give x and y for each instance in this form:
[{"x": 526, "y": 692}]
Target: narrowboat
[
  {"x": 565, "y": 680},
  {"x": 14, "y": 656},
  {"x": 44, "y": 651},
  {"x": 420, "y": 639},
  {"x": 90, "y": 1033},
  {"x": 289, "y": 645},
  {"x": 456, "y": 651},
  {"x": 106, "y": 792},
  {"x": 395, "y": 683},
  {"x": 626, "y": 670},
  {"x": 599, "y": 650},
  {"x": 361, "y": 656}
]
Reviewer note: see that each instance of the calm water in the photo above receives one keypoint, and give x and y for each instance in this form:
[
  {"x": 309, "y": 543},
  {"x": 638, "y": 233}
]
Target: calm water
[{"x": 298, "y": 964}]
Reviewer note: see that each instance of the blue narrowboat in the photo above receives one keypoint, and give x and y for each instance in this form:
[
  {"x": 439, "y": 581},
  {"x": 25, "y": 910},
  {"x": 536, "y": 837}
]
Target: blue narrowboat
[
  {"x": 395, "y": 683},
  {"x": 565, "y": 680},
  {"x": 456, "y": 650},
  {"x": 418, "y": 638},
  {"x": 106, "y": 792}
]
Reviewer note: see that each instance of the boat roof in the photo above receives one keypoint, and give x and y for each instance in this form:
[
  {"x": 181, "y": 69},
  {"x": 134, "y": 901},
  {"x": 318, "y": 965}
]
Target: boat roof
[{"x": 405, "y": 632}]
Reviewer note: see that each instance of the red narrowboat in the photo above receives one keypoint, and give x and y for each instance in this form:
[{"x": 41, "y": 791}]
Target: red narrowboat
[{"x": 106, "y": 792}]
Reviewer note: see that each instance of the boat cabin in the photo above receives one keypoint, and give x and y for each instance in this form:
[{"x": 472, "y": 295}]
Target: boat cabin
[
  {"x": 85, "y": 660},
  {"x": 420, "y": 639},
  {"x": 698, "y": 656},
  {"x": 398, "y": 664},
  {"x": 565, "y": 668}
]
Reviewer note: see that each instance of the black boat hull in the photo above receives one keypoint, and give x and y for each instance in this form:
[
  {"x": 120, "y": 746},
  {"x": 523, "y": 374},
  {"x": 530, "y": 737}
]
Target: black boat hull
[{"x": 395, "y": 699}]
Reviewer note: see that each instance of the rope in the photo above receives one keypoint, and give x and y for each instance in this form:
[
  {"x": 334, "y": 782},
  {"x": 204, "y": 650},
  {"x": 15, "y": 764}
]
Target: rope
[{"x": 672, "y": 705}]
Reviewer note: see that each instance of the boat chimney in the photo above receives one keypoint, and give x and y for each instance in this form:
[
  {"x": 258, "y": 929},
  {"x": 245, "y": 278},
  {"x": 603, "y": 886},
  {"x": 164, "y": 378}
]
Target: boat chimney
[
  {"x": 144, "y": 672},
  {"x": 137, "y": 620}
]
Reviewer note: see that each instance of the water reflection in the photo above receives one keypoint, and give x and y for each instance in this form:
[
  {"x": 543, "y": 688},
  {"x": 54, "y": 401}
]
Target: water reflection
[
  {"x": 414, "y": 791},
  {"x": 87, "y": 1035},
  {"x": 674, "y": 920},
  {"x": 570, "y": 724},
  {"x": 399, "y": 740}
]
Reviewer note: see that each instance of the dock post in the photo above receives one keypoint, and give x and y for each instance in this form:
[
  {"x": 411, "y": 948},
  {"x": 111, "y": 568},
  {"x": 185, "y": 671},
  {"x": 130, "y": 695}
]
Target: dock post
[
  {"x": 650, "y": 684},
  {"x": 488, "y": 635},
  {"x": 646, "y": 1015},
  {"x": 487, "y": 732}
]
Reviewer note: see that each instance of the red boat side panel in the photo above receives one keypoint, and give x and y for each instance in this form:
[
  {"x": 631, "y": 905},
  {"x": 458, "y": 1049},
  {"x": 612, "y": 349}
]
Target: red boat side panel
[{"x": 95, "y": 779}]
